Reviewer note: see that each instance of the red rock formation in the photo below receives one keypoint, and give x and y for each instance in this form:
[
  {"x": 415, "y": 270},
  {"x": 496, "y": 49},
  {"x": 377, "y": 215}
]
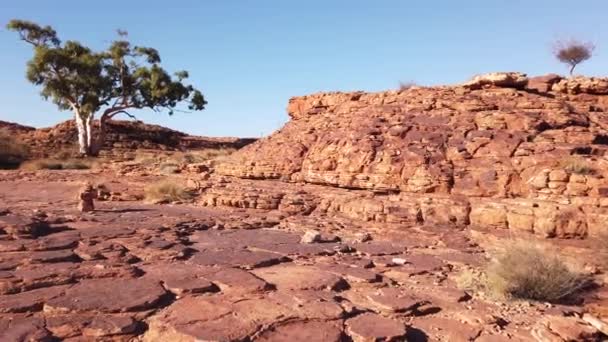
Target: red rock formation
[
  {"x": 120, "y": 134},
  {"x": 500, "y": 151}
]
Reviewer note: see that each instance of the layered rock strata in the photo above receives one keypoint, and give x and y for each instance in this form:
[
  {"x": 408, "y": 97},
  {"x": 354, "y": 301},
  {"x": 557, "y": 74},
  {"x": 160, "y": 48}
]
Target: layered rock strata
[{"x": 503, "y": 151}]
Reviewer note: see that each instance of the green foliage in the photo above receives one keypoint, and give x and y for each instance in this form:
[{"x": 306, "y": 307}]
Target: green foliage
[{"x": 77, "y": 78}]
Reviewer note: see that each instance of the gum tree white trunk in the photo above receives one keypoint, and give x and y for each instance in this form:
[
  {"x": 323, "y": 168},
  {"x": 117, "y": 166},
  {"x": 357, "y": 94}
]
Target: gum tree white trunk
[
  {"x": 84, "y": 126},
  {"x": 82, "y": 134},
  {"x": 88, "y": 123}
]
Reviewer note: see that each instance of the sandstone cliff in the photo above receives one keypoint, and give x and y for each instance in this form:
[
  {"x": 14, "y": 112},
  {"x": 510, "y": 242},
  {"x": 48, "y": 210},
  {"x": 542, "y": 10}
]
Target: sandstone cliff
[{"x": 501, "y": 151}]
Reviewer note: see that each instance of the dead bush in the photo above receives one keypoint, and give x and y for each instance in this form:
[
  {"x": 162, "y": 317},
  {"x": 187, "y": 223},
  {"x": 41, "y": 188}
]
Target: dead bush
[
  {"x": 573, "y": 52},
  {"x": 527, "y": 271},
  {"x": 12, "y": 152},
  {"x": 167, "y": 191}
]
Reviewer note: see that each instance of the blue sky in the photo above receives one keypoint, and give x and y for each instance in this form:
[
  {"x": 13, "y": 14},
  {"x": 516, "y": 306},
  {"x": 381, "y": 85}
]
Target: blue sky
[{"x": 250, "y": 57}]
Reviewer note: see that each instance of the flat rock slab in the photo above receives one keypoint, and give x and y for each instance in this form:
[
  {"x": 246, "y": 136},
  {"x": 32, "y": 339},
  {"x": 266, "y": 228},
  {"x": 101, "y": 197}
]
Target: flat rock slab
[
  {"x": 354, "y": 274},
  {"x": 225, "y": 317},
  {"x": 24, "y": 329},
  {"x": 415, "y": 265},
  {"x": 304, "y": 331},
  {"x": 394, "y": 300},
  {"x": 297, "y": 277},
  {"x": 302, "y": 250},
  {"x": 378, "y": 248},
  {"x": 180, "y": 279},
  {"x": 372, "y": 327},
  {"x": 108, "y": 295},
  {"x": 232, "y": 239},
  {"x": 237, "y": 280},
  {"x": 62, "y": 240},
  {"x": 217, "y": 318},
  {"x": 41, "y": 257},
  {"x": 92, "y": 326},
  {"x": 30, "y": 301},
  {"x": 236, "y": 258},
  {"x": 446, "y": 329}
]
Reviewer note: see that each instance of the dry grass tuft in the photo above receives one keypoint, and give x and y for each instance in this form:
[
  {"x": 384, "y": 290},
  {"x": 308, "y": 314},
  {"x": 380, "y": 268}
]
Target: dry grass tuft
[
  {"x": 527, "y": 271},
  {"x": 173, "y": 162},
  {"x": 577, "y": 166},
  {"x": 166, "y": 191},
  {"x": 56, "y": 164},
  {"x": 12, "y": 153}
]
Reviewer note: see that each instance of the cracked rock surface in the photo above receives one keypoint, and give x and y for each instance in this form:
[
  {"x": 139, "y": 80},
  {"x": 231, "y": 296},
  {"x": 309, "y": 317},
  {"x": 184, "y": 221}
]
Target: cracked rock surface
[{"x": 356, "y": 231}]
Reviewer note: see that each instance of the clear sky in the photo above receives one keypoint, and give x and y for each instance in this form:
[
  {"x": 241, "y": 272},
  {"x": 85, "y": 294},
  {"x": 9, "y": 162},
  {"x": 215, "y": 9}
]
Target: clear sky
[{"x": 250, "y": 57}]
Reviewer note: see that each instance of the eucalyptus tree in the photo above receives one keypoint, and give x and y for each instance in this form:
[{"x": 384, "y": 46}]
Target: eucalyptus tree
[{"x": 104, "y": 83}]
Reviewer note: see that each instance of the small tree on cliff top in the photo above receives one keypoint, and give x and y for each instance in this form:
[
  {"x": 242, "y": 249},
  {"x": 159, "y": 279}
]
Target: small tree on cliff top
[
  {"x": 109, "y": 82},
  {"x": 573, "y": 52}
]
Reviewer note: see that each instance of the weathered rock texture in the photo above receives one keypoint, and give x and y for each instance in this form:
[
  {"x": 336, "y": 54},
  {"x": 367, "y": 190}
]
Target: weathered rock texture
[
  {"x": 120, "y": 134},
  {"x": 501, "y": 151},
  {"x": 349, "y": 224}
]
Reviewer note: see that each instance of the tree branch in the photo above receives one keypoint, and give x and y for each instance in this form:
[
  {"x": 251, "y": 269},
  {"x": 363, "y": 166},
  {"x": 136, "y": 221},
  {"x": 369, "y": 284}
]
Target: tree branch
[{"x": 123, "y": 112}]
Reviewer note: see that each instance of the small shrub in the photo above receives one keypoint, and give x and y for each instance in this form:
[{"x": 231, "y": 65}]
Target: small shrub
[
  {"x": 12, "y": 153},
  {"x": 166, "y": 191},
  {"x": 406, "y": 85},
  {"x": 200, "y": 156},
  {"x": 471, "y": 280},
  {"x": 528, "y": 271},
  {"x": 578, "y": 167},
  {"x": 169, "y": 167}
]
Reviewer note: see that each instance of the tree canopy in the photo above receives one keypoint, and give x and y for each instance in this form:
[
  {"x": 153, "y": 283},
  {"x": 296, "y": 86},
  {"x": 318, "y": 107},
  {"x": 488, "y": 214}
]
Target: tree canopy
[
  {"x": 122, "y": 77},
  {"x": 573, "y": 52}
]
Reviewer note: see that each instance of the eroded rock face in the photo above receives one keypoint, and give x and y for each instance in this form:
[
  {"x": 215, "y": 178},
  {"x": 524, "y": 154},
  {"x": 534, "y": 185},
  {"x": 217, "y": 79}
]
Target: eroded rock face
[
  {"x": 355, "y": 222},
  {"x": 494, "y": 152}
]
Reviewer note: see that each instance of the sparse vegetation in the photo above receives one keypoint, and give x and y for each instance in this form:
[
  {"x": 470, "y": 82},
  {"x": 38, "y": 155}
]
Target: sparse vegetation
[
  {"x": 12, "y": 153},
  {"x": 57, "y": 164},
  {"x": 577, "y": 166},
  {"x": 172, "y": 162},
  {"x": 471, "y": 280},
  {"x": 406, "y": 85},
  {"x": 527, "y": 271},
  {"x": 573, "y": 52},
  {"x": 166, "y": 191},
  {"x": 169, "y": 167}
]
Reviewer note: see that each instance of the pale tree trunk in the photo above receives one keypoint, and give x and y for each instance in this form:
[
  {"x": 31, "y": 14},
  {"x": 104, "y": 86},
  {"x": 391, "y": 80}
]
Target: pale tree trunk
[
  {"x": 83, "y": 138},
  {"x": 89, "y": 128}
]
